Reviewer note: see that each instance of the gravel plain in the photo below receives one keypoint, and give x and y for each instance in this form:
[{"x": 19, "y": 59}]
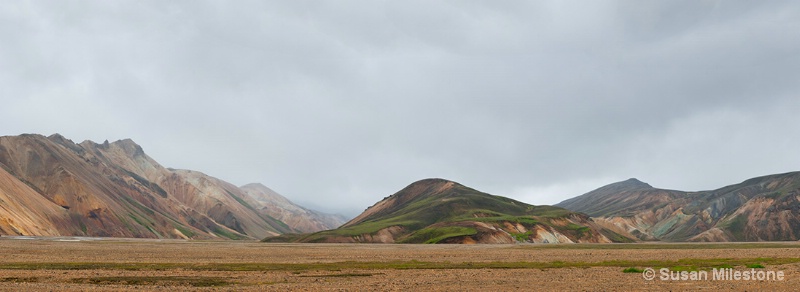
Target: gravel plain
[{"x": 76, "y": 264}]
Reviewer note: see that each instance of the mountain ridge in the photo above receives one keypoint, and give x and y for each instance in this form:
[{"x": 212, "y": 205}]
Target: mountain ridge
[
  {"x": 442, "y": 211},
  {"x": 116, "y": 189},
  {"x": 395, "y": 201},
  {"x": 54, "y": 186},
  {"x": 763, "y": 208},
  {"x": 277, "y": 206}
]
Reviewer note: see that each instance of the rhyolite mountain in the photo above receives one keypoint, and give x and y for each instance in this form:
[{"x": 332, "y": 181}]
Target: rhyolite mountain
[
  {"x": 442, "y": 211},
  {"x": 765, "y": 208},
  {"x": 272, "y": 204},
  {"x": 51, "y": 186}
]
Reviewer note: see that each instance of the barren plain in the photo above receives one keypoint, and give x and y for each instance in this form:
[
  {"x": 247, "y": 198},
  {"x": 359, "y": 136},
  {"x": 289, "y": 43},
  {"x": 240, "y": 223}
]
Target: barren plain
[{"x": 94, "y": 264}]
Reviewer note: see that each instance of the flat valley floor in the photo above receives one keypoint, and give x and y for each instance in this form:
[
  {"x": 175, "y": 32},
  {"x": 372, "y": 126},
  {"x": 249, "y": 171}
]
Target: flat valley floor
[{"x": 91, "y": 264}]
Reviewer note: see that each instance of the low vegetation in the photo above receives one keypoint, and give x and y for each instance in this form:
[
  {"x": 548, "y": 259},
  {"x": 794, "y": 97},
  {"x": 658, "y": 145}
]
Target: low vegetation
[
  {"x": 19, "y": 280},
  {"x": 154, "y": 280},
  {"x": 221, "y": 265},
  {"x": 344, "y": 275},
  {"x": 661, "y": 246},
  {"x": 437, "y": 234},
  {"x": 687, "y": 264}
]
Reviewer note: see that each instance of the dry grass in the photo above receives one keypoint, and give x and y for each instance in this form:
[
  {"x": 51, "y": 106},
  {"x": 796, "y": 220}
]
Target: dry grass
[{"x": 121, "y": 265}]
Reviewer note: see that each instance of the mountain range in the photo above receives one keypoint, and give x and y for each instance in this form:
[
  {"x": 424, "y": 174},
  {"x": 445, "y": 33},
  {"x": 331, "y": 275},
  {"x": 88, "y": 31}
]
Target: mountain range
[
  {"x": 765, "y": 208},
  {"x": 439, "y": 211},
  {"x": 51, "y": 186},
  {"x": 442, "y": 211}
]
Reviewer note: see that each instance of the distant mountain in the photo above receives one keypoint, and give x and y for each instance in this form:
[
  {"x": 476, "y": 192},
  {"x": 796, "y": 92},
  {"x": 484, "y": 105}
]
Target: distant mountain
[
  {"x": 272, "y": 204},
  {"x": 760, "y": 209},
  {"x": 53, "y": 186},
  {"x": 441, "y": 211}
]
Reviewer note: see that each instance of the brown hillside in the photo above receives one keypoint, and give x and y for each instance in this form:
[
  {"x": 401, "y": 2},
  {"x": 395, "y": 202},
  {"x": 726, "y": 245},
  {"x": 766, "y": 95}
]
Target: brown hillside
[
  {"x": 53, "y": 186},
  {"x": 760, "y": 209}
]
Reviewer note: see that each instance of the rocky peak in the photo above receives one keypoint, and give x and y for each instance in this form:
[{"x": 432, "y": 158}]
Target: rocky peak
[
  {"x": 61, "y": 140},
  {"x": 627, "y": 185},
  {"x": 129, "y": 147},
  {"x": 422, "y": 188},
  {"x": 432, "y": 181},
  {"x": 633, "y": 182},
  {"x": 58, "y": 138},
  {"x": 429, "y": 185},
  {"x": 418, "y": 189}
]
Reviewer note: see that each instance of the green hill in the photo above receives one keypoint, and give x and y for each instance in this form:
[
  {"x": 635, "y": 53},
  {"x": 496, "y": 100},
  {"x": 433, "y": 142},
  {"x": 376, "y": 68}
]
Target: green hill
[{"x": 441, "y": 211}]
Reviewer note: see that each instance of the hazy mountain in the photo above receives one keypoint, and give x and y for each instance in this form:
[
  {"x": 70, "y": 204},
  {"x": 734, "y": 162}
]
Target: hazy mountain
[
  {"x": 53, "y": 186},
  {"x": 758, "y": 209},
  {"x": 441, "y": 211},
  {"x": 279, "y": 207}
]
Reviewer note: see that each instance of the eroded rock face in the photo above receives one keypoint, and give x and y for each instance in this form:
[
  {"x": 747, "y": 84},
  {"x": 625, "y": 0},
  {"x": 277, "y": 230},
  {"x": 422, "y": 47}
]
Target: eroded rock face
[
  {"x": 53, "y": 186},
  {"x": 759, "y": 209},
  {"x": 23, "y": 211},
  {"x": 385, "y": 235}
]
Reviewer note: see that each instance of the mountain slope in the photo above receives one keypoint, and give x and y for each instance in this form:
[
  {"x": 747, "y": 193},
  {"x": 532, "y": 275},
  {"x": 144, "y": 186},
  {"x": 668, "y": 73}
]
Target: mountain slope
[
  {"x": 53, "y": 186},
  {"x": 441, "y": 211},
  {"x": 759, "y": 209},
  {"x": 24, "y": 211},
  {"x": 279, "y": 207}
]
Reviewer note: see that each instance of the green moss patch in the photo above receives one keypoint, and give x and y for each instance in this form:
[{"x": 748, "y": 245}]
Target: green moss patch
[
  {"x": 437, "y": 234},
  {"x": 632, "y": 270},
  {"x": 157, "y": 280}
]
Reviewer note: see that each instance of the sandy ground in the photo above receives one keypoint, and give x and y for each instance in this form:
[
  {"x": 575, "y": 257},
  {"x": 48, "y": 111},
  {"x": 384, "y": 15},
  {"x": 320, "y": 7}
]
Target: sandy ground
[{"x": 596, "y": 278}]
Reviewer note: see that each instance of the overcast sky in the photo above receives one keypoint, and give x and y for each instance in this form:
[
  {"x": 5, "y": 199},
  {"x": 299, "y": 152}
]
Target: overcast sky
[{"x": 337, "y": 104}]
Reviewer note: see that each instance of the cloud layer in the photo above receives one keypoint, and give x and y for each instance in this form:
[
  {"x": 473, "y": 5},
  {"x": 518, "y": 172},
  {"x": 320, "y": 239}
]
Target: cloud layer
[{"x": 337, "y": 105}]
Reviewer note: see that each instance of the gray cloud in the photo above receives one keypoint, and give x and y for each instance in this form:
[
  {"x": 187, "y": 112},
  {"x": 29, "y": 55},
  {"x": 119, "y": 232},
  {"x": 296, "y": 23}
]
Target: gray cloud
[{"x": 336, "y": 105}]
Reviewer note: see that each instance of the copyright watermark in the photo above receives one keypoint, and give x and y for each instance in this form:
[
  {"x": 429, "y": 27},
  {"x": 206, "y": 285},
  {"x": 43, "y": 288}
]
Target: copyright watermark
[{"x": 724, "y": 274}]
